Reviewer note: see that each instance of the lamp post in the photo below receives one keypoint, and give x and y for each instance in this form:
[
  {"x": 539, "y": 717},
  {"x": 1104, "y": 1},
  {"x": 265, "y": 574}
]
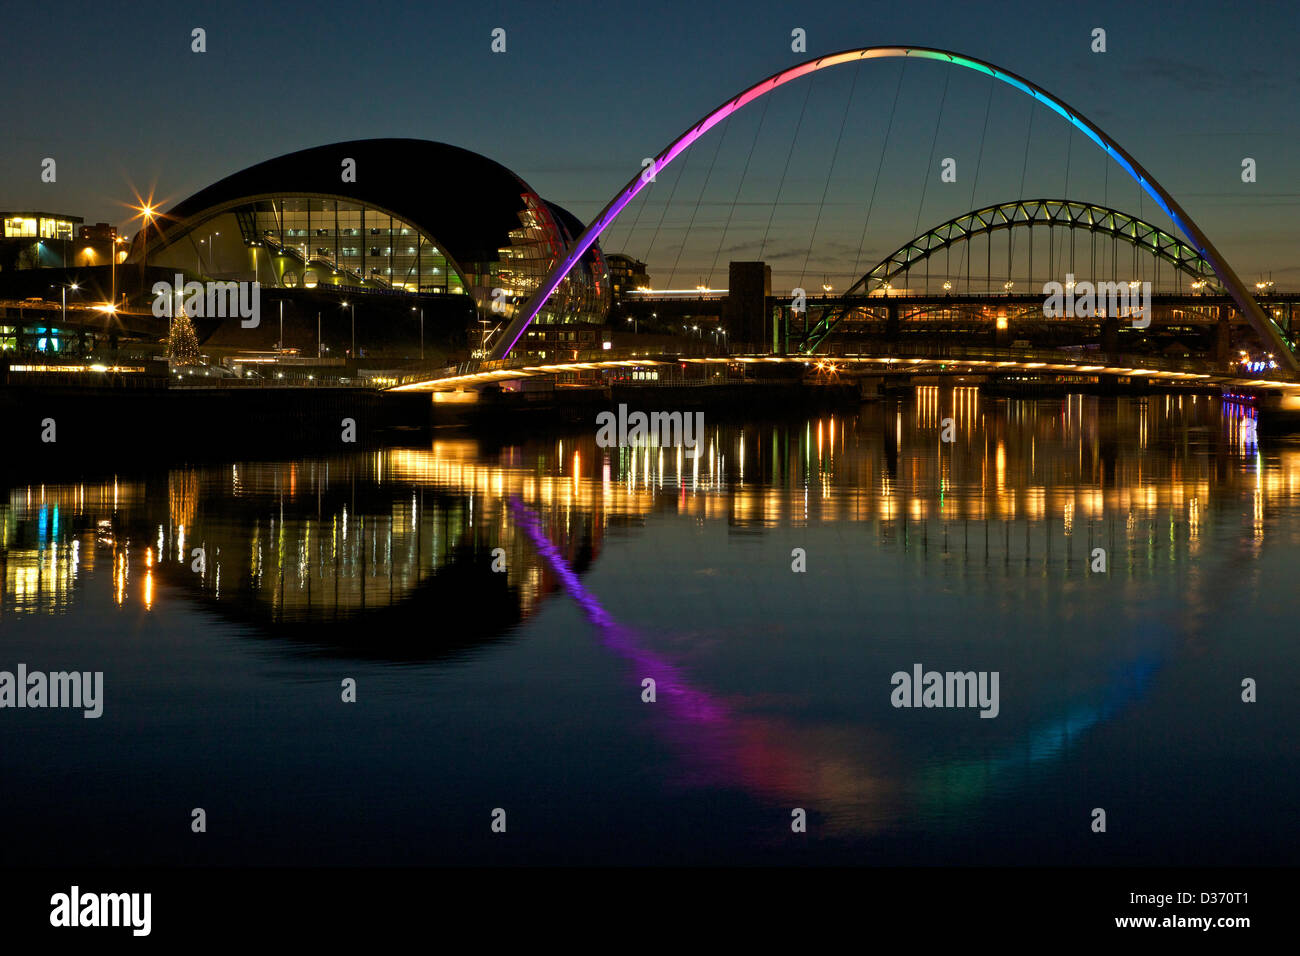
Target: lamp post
[
  {"x": 212, "y": 252},
  {"x": 318, "y": 336},
  {"x": 112, "y": 258},
  {"x": 147, "y": 213},
  {"x": 353, "y": 352},
  {"x": 171, "y": 326}
]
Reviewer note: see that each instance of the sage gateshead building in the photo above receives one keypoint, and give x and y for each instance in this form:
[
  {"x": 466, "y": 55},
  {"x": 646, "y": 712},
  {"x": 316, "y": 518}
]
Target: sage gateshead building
[{"x": 388, "y": 217}]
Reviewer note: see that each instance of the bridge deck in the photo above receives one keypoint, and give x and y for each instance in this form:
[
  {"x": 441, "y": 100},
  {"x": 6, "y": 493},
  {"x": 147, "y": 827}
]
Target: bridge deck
[{"x": 951, "y": 361}]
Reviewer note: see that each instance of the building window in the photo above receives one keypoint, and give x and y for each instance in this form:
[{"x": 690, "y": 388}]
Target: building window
[
  {"x": 56, "y": 229},
  {"x": 20, "y": 227}
]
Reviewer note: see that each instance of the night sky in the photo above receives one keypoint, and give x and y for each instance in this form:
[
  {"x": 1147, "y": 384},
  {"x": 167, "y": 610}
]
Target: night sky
[{"x": 585, "y": 90}]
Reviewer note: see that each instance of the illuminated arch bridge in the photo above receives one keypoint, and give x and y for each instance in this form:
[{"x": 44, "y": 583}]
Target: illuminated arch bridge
[
  {"x": 1027, "y": 213},
  {"x": 1020, "y": 214},
  {"x": 1267, "y": 329}
]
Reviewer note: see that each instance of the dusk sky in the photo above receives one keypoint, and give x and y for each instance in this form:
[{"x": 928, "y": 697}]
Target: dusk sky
[{"x": 585, "y": 90}]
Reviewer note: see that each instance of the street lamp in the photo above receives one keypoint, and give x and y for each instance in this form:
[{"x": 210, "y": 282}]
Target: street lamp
[
  {"x": 146, "y": 211},
  {"x": 117, "y": 240},
  {"x": 353, "y": 353},
  {"x": 212, "y": 251},
  {"x": 63, "y": 294}
]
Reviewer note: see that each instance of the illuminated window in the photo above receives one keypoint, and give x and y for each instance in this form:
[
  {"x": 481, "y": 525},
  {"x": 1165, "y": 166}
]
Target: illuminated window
[
  {"x": 56, "y": 229},
  {"x": 20, "y": 227}
]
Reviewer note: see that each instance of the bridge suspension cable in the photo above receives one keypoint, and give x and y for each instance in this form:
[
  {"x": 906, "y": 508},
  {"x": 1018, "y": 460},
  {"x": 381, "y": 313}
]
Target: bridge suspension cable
[
  {"x": 743, "y": 173},
  {"x": 835, "y": 153},
  {"x": 880, "y": 165}
]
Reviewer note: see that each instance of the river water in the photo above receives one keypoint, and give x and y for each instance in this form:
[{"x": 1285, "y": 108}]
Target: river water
[{"x": 1121, "y": 565}]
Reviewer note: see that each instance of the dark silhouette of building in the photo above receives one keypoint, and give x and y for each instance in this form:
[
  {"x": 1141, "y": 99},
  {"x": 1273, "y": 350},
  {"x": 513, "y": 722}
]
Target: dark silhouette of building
[{"x": 744, "y": 314}]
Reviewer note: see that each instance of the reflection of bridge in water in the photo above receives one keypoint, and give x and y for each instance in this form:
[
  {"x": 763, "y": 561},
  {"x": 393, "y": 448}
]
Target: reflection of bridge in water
[
  {"x": 342, "y": 553},
  {"x": 315, "y": 544}
]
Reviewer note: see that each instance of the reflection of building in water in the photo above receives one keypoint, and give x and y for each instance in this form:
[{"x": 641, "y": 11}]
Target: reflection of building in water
[
  {"x": 322, "y": 540},
  {"x": 1069, "y": 462},
  {"x": 51, "y": 535},
  {"x": 333, "y": 538}
]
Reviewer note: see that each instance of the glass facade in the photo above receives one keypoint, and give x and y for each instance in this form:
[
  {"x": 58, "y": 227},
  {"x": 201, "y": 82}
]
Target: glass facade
[
  {"x": 535, "y": 248},
  {"x": 305, "y": 242},
  {"x": 338, "y": 242},
  {"x": 322, "y": 241},
  {"x": 21, "y": 226}
]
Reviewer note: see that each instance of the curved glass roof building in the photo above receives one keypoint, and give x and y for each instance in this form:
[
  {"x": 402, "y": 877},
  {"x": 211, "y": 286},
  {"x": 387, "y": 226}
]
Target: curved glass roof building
[{"x": 385, "y": 216}]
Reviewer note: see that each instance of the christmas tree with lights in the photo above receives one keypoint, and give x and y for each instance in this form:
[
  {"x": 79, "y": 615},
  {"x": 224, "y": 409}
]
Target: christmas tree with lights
[{"x": 182, "y": 343}]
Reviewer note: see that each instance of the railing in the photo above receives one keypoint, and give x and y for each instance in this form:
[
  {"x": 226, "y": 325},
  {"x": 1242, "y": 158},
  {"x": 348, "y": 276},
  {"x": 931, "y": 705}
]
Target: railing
[
  {"x": 1091, "y": 360},
  {"x": 295, "y": 382},
  {"x": 1088, "y": 362}
]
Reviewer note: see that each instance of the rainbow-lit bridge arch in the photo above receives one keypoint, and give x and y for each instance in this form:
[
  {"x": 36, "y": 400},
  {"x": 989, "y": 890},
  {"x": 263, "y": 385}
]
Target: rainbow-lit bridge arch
[{"x": 1262, "y": 324}]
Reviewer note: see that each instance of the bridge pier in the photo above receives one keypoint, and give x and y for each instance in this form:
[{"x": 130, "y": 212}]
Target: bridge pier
[
  {"x": 1110, "y": 337},
  {"x": 1223, "y": 338},
  {"x": 781, "y": 330},
  {"x": 1279, "y": 411}
]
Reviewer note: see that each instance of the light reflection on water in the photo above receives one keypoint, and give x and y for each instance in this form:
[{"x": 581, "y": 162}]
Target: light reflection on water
[{"x": 971, "y": 554}]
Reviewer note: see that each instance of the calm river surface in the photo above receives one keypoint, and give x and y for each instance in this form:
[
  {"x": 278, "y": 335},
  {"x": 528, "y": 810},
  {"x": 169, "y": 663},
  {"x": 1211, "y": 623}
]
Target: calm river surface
[{"x": 227, "y": 602}]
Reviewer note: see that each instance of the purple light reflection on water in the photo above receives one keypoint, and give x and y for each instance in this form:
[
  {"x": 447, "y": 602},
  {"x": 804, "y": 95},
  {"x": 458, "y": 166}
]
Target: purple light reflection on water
[
  {"x": 715, "y": 744},
  {"x": 693, "y": 704}
]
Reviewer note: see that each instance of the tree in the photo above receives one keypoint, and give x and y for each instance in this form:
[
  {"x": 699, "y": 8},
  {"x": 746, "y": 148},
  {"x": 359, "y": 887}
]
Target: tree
[{"x": 182, "y": 343}]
